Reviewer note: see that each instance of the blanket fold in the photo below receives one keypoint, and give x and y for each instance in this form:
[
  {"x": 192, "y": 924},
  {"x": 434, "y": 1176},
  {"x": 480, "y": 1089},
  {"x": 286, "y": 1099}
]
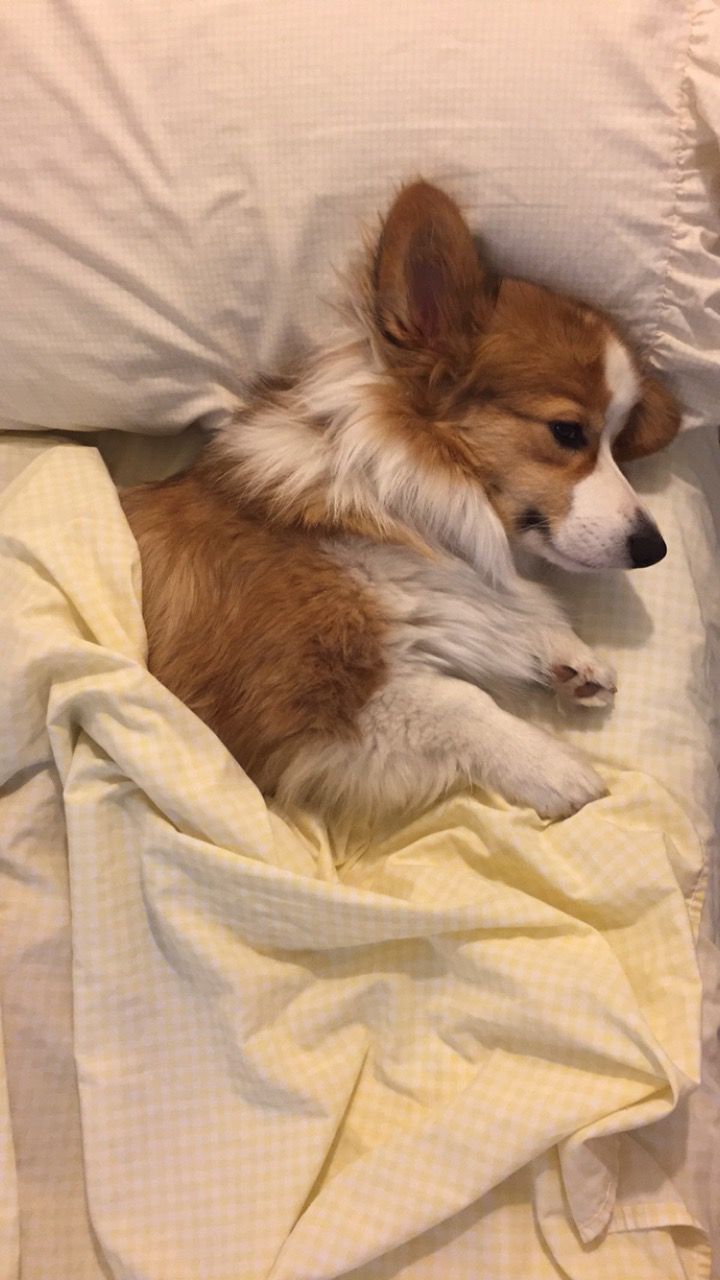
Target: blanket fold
[{"x": 290, "y": 1066}]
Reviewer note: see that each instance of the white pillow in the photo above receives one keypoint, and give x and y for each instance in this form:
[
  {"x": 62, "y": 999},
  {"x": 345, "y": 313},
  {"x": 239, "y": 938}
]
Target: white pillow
[{"x": 178, "y": 181}]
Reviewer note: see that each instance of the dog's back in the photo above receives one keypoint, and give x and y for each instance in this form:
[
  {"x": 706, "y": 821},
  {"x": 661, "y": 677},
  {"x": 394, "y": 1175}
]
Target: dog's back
[{"x": 253, "y": 625}]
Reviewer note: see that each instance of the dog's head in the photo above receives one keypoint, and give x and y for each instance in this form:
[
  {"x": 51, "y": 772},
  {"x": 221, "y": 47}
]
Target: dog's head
[{"x": 533, "y": 395}]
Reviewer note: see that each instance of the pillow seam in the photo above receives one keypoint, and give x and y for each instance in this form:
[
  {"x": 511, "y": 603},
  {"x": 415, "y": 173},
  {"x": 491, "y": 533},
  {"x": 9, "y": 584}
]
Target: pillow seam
[{"x": 682, "y": 149}]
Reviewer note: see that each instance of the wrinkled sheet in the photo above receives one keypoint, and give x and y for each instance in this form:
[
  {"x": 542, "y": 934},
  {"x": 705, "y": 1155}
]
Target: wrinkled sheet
[{"x": 232, "y": 1055}]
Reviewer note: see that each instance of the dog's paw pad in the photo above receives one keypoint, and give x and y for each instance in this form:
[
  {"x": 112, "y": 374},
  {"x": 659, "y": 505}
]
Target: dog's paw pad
[
  {"x": 562, "y": 673},
  {"x": 590, "y": 684}
]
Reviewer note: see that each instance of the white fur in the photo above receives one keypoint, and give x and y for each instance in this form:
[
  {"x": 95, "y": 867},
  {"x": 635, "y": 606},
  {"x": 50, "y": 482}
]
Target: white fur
[
  {"x": 365, "y": 473},
  {"x": 433, "y": 726},
  {"x": 445, "y": 617},
  {"x": 605, "y": 508},
  {"x": 423, "y": 735},
  {"x": 460, "y": 626},
  {"x": 623, "y": 384}
]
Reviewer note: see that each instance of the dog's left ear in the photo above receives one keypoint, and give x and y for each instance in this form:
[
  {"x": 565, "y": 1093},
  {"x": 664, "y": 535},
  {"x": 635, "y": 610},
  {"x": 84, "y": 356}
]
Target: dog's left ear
[
  {"x": 653, "y": 423},
  {"x": 432, "y": 292}
]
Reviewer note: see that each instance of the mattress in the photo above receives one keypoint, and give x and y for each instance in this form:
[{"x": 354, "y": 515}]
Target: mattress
[{"x": 236, "y": 1044}]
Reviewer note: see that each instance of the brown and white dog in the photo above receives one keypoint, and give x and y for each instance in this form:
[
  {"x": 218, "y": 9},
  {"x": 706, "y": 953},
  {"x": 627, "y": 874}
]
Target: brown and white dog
[{"x": 332, "y": 586}]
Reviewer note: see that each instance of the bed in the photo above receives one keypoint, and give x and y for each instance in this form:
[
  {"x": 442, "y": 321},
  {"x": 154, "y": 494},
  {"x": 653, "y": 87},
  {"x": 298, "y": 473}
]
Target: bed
[{"x": 237, "y": 1045}]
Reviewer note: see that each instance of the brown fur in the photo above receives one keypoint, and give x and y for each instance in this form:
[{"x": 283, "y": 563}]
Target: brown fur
[
  {"x": 308, "y": 512},
  {"x": 263, "y": 636},
  {"x": 481, "y": 371},
  {"x": 541, "y": 358},
  {"x": 653, "y": 423},
  {"x": 249, "y": 622},
  {"x": 431, "y": 295}
]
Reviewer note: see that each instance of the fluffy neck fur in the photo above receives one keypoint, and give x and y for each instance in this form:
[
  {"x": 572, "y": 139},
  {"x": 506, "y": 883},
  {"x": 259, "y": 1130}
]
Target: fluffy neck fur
[{"x": 323, "y": 451}]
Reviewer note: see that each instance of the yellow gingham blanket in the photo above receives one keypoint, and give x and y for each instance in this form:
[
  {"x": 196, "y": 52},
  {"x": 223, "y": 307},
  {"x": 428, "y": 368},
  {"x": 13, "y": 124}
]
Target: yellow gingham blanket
[{"x": 434, "y": 1057}]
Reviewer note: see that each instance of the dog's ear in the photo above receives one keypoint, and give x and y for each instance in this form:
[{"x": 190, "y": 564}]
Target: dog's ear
[
  {"x": 653, "y": 423},
  {"x": 432, "y": 293}
]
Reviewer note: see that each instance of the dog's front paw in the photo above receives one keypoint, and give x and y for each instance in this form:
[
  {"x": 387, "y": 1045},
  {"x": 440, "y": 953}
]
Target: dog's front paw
[
  {"x": 567, "y": 784},
  {"x": 543, "y": 774},
  {"x": 583, "y": 679}
]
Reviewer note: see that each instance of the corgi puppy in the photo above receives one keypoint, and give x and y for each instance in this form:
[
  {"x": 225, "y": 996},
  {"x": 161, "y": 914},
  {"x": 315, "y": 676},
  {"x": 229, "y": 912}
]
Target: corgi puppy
[{"x": 332, "y": 586}]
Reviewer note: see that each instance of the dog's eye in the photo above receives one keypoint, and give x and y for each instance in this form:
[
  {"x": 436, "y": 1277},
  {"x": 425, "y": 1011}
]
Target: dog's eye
[{"x": 570, "y": 435}]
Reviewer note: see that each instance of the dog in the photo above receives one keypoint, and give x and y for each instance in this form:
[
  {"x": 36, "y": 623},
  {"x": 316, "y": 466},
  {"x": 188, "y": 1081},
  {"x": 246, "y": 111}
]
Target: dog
[{"x": 333, "y": 586}]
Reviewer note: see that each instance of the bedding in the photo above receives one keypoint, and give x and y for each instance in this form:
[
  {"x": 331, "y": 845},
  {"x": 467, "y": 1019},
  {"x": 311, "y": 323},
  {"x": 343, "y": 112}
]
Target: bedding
[
  {"x": 237, "y": 1045},
  {"x": 178, "y": 184}
]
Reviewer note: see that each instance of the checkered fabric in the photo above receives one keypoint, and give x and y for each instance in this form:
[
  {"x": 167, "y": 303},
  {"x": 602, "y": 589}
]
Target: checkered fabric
[{"x": 241, "y": 1047}]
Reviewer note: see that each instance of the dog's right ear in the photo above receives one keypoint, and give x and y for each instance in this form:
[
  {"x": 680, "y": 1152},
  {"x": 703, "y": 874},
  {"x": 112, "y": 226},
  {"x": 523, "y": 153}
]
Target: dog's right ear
[
  {"x": 652, "y": 424},
  {"x": 432, "y": 293}
]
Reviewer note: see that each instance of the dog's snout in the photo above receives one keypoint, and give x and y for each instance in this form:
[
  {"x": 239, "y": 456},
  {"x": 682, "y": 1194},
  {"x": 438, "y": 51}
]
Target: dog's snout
[{"x": 646, "y": 544}]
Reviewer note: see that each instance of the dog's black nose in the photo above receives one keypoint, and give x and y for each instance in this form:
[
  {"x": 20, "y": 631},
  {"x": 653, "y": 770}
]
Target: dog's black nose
[{"x": 645, "y": 545}]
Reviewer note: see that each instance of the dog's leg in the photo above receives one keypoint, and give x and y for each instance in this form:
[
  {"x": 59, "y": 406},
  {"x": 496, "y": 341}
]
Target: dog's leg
[
  {"x": 577, "y": 675},
  {"x": 424, "y": 734},
  {"x": 520, "y": 635},
  {"x": 560, "y": 658}
]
